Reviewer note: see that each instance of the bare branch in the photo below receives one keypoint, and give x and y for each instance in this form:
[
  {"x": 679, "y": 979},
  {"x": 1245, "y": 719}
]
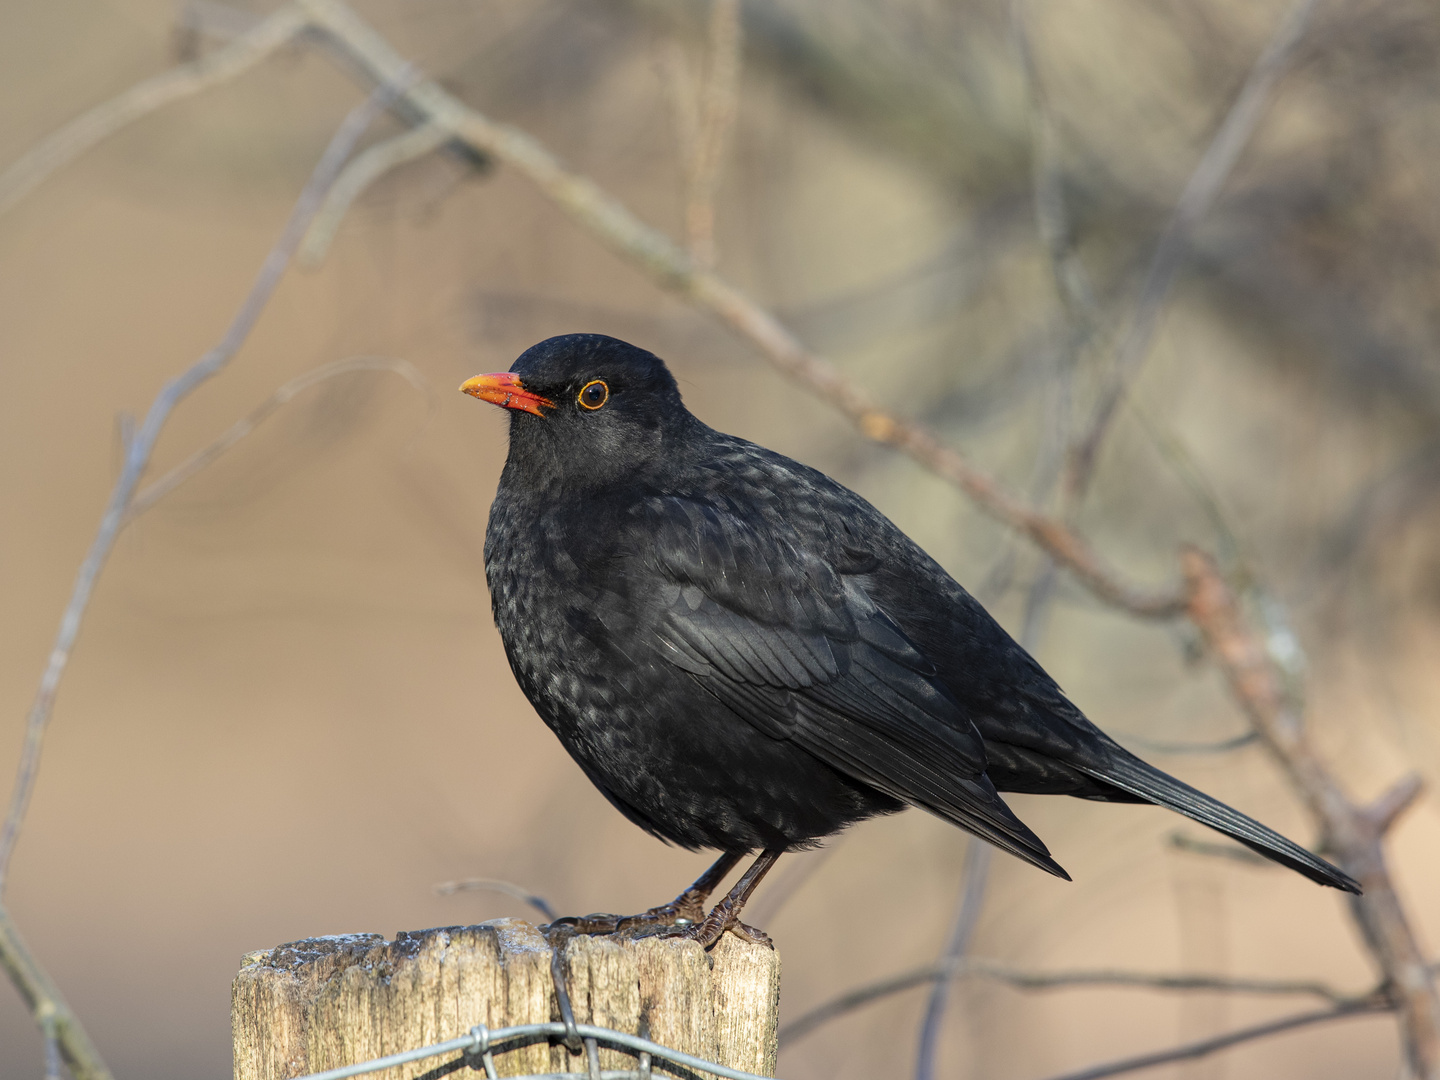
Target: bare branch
[
  {"x": 1204, "y": 1047},
  {"x": 1256, "y": 679},
  {"x": 1379, "y": 911},
  {"x": 509, "y": 888},
  {"x": 367, "y": 167},
  {"x": 140, "y": 100},
  {"x": 1024, "y": 980},
  {"x": 1354, "y": 835},
  {"x": 1195, "y": 201}
]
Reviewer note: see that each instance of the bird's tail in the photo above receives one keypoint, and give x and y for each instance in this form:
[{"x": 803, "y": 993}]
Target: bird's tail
[{"x": 1130, "y": 774}]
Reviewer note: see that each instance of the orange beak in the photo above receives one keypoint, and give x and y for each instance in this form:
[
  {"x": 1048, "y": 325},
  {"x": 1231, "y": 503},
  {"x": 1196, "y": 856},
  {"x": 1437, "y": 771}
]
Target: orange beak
[{"x": 506, "y": 390}]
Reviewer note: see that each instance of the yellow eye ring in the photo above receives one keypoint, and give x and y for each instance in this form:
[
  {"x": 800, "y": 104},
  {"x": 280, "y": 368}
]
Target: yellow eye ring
[{"x": 593, "y": 394}]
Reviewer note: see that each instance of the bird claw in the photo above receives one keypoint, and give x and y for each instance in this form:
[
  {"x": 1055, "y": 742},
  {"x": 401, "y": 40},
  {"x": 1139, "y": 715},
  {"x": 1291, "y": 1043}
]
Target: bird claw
[
  {"x": 668, "y": 921},
  {"x": 680, "y": 914},
  {"x": 713, "y": 927},
  {"x": 685, "y": 917}
]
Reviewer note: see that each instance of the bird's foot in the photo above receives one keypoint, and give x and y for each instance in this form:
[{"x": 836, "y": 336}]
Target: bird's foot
[
  {"x": 681, "y": 913},
  {"x": 722, "y": 918},
  {"x": 684, "y": 911}
]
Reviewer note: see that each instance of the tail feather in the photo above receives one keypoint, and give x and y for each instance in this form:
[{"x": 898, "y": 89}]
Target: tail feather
[{"x": 1130, "y": 774}]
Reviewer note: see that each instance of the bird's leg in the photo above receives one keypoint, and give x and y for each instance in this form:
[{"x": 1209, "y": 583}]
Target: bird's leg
[
  {"x": 685, "y": 910},
  {"x": 689, "y": 906},
  {"x": 726, "y": 914}
]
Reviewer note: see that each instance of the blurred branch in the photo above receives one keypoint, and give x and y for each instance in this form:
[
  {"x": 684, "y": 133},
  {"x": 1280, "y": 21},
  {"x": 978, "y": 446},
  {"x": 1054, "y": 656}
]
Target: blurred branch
[
  {"x": 1025, "y": 980},
  {"x": 60, "y": 1027},
  {"x": 1196, "y": 199},
  {"x": 1209, "y": 604},
  {"x": 1354, "y": 833},
  {"x": 509, "y": 888},
  {"x": 1263, "y": 677},
  {"x": 99, "y": 123},
  {"x": 1203, "y": 1047},
  {"x": 1256, "y": 679}
]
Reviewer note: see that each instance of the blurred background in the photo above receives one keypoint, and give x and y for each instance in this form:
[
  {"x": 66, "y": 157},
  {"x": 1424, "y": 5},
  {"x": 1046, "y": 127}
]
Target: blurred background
[{"x": 289, "y": 713}]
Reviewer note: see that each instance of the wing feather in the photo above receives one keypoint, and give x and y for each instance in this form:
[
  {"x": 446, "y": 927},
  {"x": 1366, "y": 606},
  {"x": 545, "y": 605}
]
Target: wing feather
[{"x": 802, "y": 652}]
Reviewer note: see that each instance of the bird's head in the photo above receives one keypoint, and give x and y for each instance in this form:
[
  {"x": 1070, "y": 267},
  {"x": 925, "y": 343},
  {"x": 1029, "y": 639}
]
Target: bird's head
[{"x": 585, "y": 409}]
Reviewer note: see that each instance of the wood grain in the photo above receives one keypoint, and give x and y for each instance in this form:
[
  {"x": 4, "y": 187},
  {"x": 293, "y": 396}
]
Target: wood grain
[{"x": 331, "y": 1001}]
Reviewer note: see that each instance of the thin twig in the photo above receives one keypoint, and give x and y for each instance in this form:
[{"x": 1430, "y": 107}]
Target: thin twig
[
  {"x": 1205, "y": 1047},
  {"x": 1196, "y": 199},
  {"x": 1031, "y": 980},
  {"x": 204, "y": 457},
  {"x": 364, "y": 170},
  {"x": 509, "y": 888},
  {"x": 99, "y": 123}
]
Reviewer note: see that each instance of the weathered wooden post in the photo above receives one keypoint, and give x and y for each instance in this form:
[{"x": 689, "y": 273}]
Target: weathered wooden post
[{"x": 326, "y": 1002}]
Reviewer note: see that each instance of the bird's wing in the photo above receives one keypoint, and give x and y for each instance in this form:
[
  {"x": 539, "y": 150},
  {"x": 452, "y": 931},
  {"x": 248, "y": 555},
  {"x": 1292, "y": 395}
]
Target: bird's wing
[{"x": 800, "y": 651}]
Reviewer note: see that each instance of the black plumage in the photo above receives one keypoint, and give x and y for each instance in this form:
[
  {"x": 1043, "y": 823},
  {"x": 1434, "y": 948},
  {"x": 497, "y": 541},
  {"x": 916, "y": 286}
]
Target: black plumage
[{"x": 743, "y": 654}]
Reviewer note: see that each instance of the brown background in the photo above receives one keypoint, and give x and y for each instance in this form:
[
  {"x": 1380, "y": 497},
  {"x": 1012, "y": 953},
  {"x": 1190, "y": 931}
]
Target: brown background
[{"x": 289, "y": 714}]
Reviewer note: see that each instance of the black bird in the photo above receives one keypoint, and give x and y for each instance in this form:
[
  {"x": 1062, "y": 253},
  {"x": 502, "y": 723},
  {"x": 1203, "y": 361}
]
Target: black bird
[{"x": 743, "y": 654}]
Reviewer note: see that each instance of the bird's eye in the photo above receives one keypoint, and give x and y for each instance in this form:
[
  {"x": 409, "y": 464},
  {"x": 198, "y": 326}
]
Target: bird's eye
[{"x": 594, "y": 394}]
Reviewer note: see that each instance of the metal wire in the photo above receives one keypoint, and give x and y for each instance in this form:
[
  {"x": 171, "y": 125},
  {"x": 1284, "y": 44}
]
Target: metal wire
[{"x": 481, "y": 1040}]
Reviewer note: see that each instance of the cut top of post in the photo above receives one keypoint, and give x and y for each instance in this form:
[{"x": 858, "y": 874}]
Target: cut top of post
[{"x": 326, "y": 1002}]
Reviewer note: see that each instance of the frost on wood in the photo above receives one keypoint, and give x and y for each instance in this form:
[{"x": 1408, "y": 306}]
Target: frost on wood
[{"x": 331, "y": 1001}]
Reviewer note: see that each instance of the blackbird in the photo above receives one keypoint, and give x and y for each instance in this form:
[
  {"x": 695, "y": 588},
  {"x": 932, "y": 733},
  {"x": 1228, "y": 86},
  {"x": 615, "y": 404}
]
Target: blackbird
[{"x": 742, "y": 654}]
